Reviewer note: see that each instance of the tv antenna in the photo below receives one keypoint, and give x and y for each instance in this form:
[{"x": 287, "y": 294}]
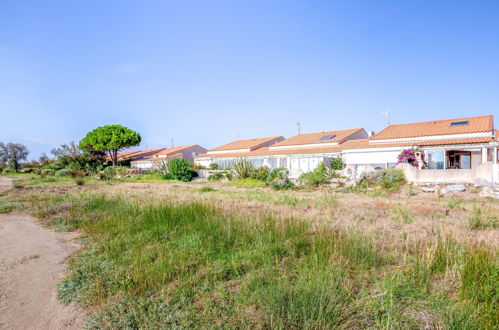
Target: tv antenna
[
  {"x": 172, "y": 143},
  {"x": 387, "y": 114},
  {"x": 299, "y": 127}
]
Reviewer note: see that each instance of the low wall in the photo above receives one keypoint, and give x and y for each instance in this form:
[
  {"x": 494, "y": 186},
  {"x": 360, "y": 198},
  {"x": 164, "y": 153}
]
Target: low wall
[{"x": 480, "y": 172}]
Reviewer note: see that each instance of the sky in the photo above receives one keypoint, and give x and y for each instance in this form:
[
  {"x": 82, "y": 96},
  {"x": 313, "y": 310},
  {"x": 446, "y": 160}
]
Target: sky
[{"x": 209, "y": 72}]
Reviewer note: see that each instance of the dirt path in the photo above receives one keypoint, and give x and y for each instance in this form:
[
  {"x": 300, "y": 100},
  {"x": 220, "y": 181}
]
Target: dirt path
[{"x": 32, "y": 262}]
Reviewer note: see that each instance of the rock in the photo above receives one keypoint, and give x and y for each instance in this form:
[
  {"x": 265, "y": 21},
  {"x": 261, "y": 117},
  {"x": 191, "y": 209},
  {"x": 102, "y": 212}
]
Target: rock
[
  {"x": 453, "y": 188},
  {"x": 483, "y": 183},
  {"x": 489, "y": 192},
  {"x": 427, "y": 189}
]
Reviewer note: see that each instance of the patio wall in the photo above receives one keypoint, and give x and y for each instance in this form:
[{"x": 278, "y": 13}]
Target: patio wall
[{"x": 479, "y": 172}]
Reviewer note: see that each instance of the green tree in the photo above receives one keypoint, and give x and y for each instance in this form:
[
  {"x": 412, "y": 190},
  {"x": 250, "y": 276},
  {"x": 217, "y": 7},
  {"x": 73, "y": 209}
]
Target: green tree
[
  {"x": 110, "y": 139},
  {"x": 12, "y": 154}
]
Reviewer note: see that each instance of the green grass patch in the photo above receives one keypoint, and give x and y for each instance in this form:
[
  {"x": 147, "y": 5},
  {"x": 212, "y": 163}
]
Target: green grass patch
[
  {"x": 247, "y": 183},
  {"x": 483, "y": 218}
]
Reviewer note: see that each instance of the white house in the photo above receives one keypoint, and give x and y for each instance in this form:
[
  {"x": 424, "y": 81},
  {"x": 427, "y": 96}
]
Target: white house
[
  {"x": 456, "y": 150},
  {"x": 299, "y": 154}
]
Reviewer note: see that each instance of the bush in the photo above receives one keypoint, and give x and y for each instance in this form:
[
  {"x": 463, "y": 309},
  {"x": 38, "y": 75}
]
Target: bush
[
  {"x": 390, "y": 179},
  {"x": 79, "y": 181},
  {"x": 167, "y": 176},
  {"x": 50, "y": 166},
  {"x": 181, "y": 169},
  {"x": 27, "y": 170},
  {"x": 214, "y": 166},
  {"x": 64, "y": 172},
  {"x": 220, "y": 176},
  {"x": 321, "y": 175},
  {"x": 260, "y": 173},
  {"x": 282, "y": 186},
  {"x": 242, "y": 168},
  {"x": 47, "y": 172},
  {"x": 337, "y": 164},
  {"x": 483, "y": 219},
  {"x": 38, "y": 171},
  {"x": 109, "y": 172},
  {"x": 8, "y": 170},
  {"x": 279, "y": 180}
]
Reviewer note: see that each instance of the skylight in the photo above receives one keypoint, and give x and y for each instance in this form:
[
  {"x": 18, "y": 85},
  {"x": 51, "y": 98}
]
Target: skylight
[
  {"x": 460, "y": 123},
  {"x": 327, "y": 137}
]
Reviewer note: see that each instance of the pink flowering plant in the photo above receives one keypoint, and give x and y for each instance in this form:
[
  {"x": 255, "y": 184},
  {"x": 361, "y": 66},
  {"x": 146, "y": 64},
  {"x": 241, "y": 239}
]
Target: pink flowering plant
[{"x": 409, "y": 156}]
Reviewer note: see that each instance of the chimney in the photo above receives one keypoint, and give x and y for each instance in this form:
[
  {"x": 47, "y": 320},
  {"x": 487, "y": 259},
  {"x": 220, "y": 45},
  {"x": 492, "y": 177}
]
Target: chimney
[{"x": 370, "y": 134}]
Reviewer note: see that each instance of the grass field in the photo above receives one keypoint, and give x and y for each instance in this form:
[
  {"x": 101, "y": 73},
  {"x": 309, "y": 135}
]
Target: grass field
[{"x": 177, "y": 255}]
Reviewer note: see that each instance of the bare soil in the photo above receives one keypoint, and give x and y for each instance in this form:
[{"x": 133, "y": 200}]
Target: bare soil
[{"x": 32, "y": 262}]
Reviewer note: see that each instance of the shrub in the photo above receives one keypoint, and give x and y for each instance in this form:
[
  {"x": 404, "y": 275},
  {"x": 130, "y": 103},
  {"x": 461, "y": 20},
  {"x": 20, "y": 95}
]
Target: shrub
[
  {"x": 167, "y": 176},
  {"x": 38, "y": 171},
  {"x": 242, "y": 168},
  {"x": 260, "y": 173},
  {"x": 109, "y": 172},
  {"x": 162, "y": 167},
  {"x": 8, "y": 170},
  {"x": 337, "y": 164},
  {"x": 279, "y": 180},
  {"x": 282, "y": 186},
  {"x": 390, "y": 179},
  {"x": 50, "y": 166},
  {"x": 220, "y": 176},
  {"x": 321, "y": 175},
  {"x": 79, "y": 181},
  {"x": 17, "y": 185},
  {"x": 64, "y": 172},
  {"x": 214, "y": 166},
  {"x": 27, "y": 170},
  {"x": 483, "y": 219},
  {"x": 181, "y": 169},
  {"x": 47, "y": 172}
]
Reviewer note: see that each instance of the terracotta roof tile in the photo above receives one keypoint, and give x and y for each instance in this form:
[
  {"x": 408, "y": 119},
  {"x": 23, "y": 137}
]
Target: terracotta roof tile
[
  {"x": 137, "y": 153},
  {"x": 249, "y": 143},
  {"x": 337, "y": 136},
  {"x": 436, "y": 127},
  {"x": 347, "y": 145}
]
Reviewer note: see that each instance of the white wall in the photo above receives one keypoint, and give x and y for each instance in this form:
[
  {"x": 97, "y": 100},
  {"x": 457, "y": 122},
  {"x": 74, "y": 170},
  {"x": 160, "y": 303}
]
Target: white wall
[{"x": 371, "y": 157}]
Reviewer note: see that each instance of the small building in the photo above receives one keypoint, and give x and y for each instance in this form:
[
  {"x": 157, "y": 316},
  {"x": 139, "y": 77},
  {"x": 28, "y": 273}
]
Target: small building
[{"x": 152, "y": 160}]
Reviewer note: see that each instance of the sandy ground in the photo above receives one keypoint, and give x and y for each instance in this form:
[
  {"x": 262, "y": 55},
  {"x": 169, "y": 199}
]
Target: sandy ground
[{"x": 32, "y": 262}]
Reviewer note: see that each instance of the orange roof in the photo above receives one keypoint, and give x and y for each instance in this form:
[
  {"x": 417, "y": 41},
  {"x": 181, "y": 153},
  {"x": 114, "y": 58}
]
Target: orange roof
[
  {"x": 168, "y": 152},
  {"x": 364, "y": 143},
  {"x": 436, "y": 127},
  {"x": 138, "y": 153},
  {"x": 497, "y": 135},
  {"x": 319, "y": 137},
  {"x": 174, "y": 150},
  {"x": 347, "y": 145},
  {"x": 251, "y": 144}
]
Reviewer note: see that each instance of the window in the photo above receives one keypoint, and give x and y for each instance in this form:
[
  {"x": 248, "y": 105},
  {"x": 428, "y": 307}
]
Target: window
[
  {"x": 459, "y": 159},
  {"x": 327, "y": 137},
  {"x": 460, "y": 123},
  {"x": 435, "y": 159}
]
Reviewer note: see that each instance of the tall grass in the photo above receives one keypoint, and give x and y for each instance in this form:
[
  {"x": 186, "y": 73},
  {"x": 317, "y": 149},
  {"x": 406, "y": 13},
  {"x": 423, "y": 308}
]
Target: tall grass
[{"x": 167, "y": 265}]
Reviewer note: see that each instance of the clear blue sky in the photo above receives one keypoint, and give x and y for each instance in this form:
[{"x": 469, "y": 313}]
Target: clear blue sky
[{"x": 204, "y": 71}]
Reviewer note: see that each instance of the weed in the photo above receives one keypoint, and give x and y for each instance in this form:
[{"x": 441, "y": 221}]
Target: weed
[
  {"x": 483, "y": 218},
  {"x": 206, "y": 189},
  {"x": 401, "y": 214}
]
